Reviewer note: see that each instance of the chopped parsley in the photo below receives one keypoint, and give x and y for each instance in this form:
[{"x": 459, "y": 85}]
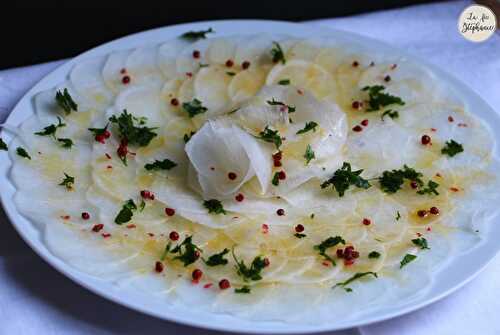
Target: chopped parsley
[
  {"x": 187, "y": 251},
  {"x": 65, "y": 101},
  {"x": 299, "y": 235},
  {"x": 214, "y": 206},
  {"x": 430, "y": 188},
  {"x": 187, "y": 137},
  {"x": 398, "y": 215},
  {"x": 217, "y": 259},
  {"x": 3, "y": 145},
  {"x": 390, "y": 113},
  {"x": 407, "y": 259},
  {"x": 20, "y": 151},
  {"x": 277, "y": 53},
  {"x": 203, "y": 65},
  {"x": 126, "y": 213},
  {"x": 66, "y": 143},
  {"x": 391, "y": 181},
  {"x": 68, "y": 181},
  {"x": 51, "y": 129},
  {"x": 165, "y": 164},
  {"x": 309, "y": 154},
  {"x": 252, "y": 272},
  {"x": 230, "y": 73},
  {"x": 290, "y": 108},
  {"x": 353, "y": 278},
  {"x": 378, "y": 99},
  {"x": 421, "y": 243},
  {"x": 343, "y": 178},
  {"x": 139, "y": 135},
  {"x": 271, "y": 136},
  {"x": 326, "y": 244},
  {"x": 374, "y": 254},
  {"x": 99, "y": 131},
  {"x": 196, "y": 35},
  {"x": 452, "y": 148},
  {"x": 194, "y": 107},
  {"x": 244, "y": 289},
  {"x": 311, "y": 125},
  {"x": 276, "y": 179},
  {"x": 284, "y": 82}
]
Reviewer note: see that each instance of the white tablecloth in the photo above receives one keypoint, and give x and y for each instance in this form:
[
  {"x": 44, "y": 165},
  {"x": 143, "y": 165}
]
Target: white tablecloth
[{"x": 35, "y": 299}]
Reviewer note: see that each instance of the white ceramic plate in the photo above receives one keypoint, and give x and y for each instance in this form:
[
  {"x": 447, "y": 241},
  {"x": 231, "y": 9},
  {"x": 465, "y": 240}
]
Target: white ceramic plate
[{"x": 451, "y": 277}]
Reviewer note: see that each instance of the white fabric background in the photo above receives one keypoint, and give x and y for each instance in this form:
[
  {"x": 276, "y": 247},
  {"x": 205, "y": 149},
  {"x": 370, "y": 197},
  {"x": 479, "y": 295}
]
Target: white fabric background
[{"x": 35, "y": 299}]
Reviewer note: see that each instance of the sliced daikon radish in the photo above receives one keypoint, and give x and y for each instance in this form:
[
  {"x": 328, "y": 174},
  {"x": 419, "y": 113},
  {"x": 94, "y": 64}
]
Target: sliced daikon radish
[
  {"x": 114, "y": 70},
  {"x": 211, "y": 87},
  {"x": 167, "y": 56},
  {"x": 142, "y": 67},
  {"x": 246, "y": 84}
]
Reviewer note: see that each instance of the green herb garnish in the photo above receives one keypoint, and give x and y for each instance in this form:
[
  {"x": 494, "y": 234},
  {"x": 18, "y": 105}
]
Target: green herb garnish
[
  {"x": 407, "y": 259},
  {"x": 353, "y": 278},
  {"x": 309, "y": 154},
  {"x": 65, "y": 101},
  {"x": 421, "y": 243},
  {"x": 299, "y": 235},
  {"x": 284, "y": 82},
  {"x": 68, "y": 181},
  {"x": 276, "y": 179},
  {"x": 23, "y": 153},
  {"x": 217, "y": 259},
  {"x": 187, "y": 137},
  {"x": 194, "y": 107},
  {"x": 66, "y": 143},
  {"x": 140, "y": 136},
  {"x": 391, "y": 181},
  {"x": 374, "y": 254},
  {"x": 379, "y": 99},
  {"x": 253, "y": 271},
  {"x": 430, "y": 188},
  {"x": 244, "y": 289},
  {"x": 311, "y": 125},
  {"x": 398, "y": 215},
  {"x": 165, "y": 164},
  {"x": 452, "y": 148},
  {"x": 230, "y": 73},
  {"x": 326, "y": 244},
  {"x": 51, "y": 129},
  {"x": 392, "y": 114},
  {"x": 272, "y": 102},
  {"x": 271, "y": 136},
  {"x": 3, "y": 145},
  {"x": 188, "y": 252},
  {"x": 126, "y": 213},
  {"x": 99, "y": 131},
  {"x": 196, "y": 35},
  {"x": 343, "y": 178},
  {"x": 214, "y": 206},
  {"x": 277, "y": 53}
]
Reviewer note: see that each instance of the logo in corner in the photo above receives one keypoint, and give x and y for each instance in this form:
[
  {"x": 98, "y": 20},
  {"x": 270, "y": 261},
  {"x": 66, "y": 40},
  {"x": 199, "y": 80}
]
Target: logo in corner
[{"x": 477, "y": 23}]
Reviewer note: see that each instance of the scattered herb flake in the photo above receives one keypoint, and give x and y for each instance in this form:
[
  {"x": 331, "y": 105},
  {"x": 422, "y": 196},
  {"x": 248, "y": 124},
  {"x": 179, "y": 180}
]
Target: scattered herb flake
[
  {"x": 230, "y": 73},
  {"x": 343, "y": 178},
  {"x": 421, "y": 243},
  {"x": 276, "y": 179},
  {"x": 99, "y": 131},
  {"x": 290, "y": 108},
  {"x": 244, "y": 289},
  {"x": 66, "y": 143},
  {"x": 407, "y": 259},
  {"x": 187, "y": 137},
  {"x": 374, "y": 254},
  {"x": 23, "y": 153},
  {"x": 165, "y": 164},
  {"x": 284, "y": 82},
  {"x": 299, "y": 235},
  {"x": 392, "y": 114},
  {"x": 51, "y": 129},
  {"x": 252, "y": 272},
  {"x": 311, "y": 125},
  {"x": 277, "y": 53},
  {"x": 3, "y": 145},
  {"x": 353, "y": 278},
  {"x": 391, "y": 181},
  {"x": 65, "y": 101},
  {"x": 187, "y": 250},
  {"x": 326, "y": 244},
  {"x": 452, "y": 148},
  {"x": 140, "y": 136},
  {"x": 398, "y": 216},
  {"x": 271, "y": 136},
  {"x": 217, "y": 259},
  {"x": 309, "y": 154},
  {"x": 196, "y": 35},
  {"x": 430, "y": 188},
  {"x": 214, "y": 206},
  {"x": 379, "y": 99},
  {"x": 68, "y": 181},
  {"x": 126, "y": 213},
  {"x": 194, "y": 107}
]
